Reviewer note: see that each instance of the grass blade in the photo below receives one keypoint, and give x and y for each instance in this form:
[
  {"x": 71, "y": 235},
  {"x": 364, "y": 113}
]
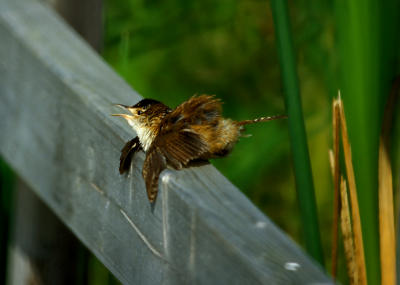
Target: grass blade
[
  {"x": 367, "y": 45},
  {"x": 301, "y": 160}
]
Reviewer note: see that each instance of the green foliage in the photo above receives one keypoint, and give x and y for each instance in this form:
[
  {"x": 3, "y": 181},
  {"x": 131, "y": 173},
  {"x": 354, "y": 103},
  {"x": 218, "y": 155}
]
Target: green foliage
[
  {"x": 98, "y": 274},
  {"x": 301, "y": 158},
  {"x": 367, "y": 43}
]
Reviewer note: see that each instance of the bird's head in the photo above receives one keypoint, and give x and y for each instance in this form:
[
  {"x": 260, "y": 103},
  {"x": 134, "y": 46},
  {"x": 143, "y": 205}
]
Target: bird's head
[{"x": 145, "y": 118}]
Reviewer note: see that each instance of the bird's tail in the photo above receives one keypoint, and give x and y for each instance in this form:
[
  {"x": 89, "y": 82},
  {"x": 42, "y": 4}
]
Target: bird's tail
[{"x": 262, "y": 119}]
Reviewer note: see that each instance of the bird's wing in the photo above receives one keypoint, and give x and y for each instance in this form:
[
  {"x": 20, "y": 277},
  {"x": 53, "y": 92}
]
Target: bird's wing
[
  {"x": 178, "y": 150},
  {"x": 177, "y": 140},
  {"x": 130, "y": 148},
  {"x": 195, "y": 111},
  {"x": 178, "y": 145},
  {"x": 152, "y": 167}
]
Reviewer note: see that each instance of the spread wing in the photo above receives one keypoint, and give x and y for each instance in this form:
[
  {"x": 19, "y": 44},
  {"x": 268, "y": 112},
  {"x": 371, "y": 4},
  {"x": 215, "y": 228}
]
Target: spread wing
[
  {"x": 127, "y": 153},
  {"x": 195, "y": 111},
  {"x": 178, "y": 141},
  {"x": 180, "y": 148},
  {"x": 178, "y": 145},
  {"x": 152, "y": 167},
  {"x": 177, "y": 150}
]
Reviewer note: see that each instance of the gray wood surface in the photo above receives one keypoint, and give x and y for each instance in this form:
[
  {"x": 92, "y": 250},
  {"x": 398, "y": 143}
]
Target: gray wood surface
[
  {"x": 42, "y": 250},
  {"x": 56, "y": 131}
]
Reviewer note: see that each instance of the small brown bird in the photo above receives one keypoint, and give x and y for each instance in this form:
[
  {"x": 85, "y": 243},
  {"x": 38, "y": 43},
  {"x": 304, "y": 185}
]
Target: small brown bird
[{"x": 188, "y": 135}]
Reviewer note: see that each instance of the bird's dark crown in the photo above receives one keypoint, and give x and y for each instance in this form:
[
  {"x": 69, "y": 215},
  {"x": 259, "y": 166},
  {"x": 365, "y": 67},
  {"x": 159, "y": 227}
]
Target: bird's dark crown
[{"x": 146, "y": 103}]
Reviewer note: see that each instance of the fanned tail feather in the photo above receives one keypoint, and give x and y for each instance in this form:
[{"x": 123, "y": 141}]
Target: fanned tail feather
[{"x": 262, "y": 119}]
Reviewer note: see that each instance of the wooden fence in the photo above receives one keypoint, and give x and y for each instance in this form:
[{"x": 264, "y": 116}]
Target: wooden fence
[{"x": 56, "y": 98}]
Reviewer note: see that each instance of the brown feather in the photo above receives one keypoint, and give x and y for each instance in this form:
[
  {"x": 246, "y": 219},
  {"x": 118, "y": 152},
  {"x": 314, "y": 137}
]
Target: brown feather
[
  {"x": 181, "y": 147},
  {"x": 197, "y": 110},
  {"x": 152, "y": 167},
  {"x": 127, "y": 152}
]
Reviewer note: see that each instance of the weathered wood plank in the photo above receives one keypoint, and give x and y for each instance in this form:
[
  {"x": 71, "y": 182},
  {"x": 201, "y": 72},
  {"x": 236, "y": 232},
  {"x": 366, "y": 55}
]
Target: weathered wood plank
[
  {"x": 42, "y": 250},
  {"x": 56, "y": 98}
]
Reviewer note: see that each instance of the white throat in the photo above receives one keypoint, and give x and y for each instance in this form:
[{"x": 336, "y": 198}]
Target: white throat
[{"x": 144, "y": 134}]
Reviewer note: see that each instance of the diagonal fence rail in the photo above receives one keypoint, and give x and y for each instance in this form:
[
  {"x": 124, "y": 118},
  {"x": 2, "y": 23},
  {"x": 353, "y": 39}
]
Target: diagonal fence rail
[{"x": 56, "y": 131}]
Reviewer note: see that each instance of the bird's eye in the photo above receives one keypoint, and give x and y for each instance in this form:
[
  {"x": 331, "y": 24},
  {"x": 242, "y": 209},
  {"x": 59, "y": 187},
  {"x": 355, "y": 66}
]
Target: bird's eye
[{"x": 139, "y": 112}]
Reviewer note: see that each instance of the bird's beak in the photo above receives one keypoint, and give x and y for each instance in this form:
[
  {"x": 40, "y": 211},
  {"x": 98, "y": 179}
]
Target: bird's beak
[
  {"x": 125, "y": 107},
  {"x": 125, "y": 116},
  {"x": 121, "y": 106}
]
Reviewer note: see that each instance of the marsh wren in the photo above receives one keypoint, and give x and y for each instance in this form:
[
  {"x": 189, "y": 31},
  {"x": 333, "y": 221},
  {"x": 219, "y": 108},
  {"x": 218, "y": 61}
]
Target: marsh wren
[{"x": 188, "y": 135}]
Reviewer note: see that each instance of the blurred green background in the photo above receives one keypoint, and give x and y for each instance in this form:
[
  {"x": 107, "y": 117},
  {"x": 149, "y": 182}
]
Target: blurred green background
[{"x": 171, "y": 50}]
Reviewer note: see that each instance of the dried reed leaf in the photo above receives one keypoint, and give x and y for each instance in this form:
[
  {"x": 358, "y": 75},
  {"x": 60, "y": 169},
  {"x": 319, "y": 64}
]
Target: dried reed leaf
[
  {"x": 386, "y": 211},
  {"x": 332, "y": 162},
  {"x": 336, "y": 191},
  {"x": 358, "y": 240},
  {"x": 348, "y": 240},
  {"x": 386, "y": 218}
]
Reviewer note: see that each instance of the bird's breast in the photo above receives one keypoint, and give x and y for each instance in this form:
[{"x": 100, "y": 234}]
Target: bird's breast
[{"x": 146, "y": 136}]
